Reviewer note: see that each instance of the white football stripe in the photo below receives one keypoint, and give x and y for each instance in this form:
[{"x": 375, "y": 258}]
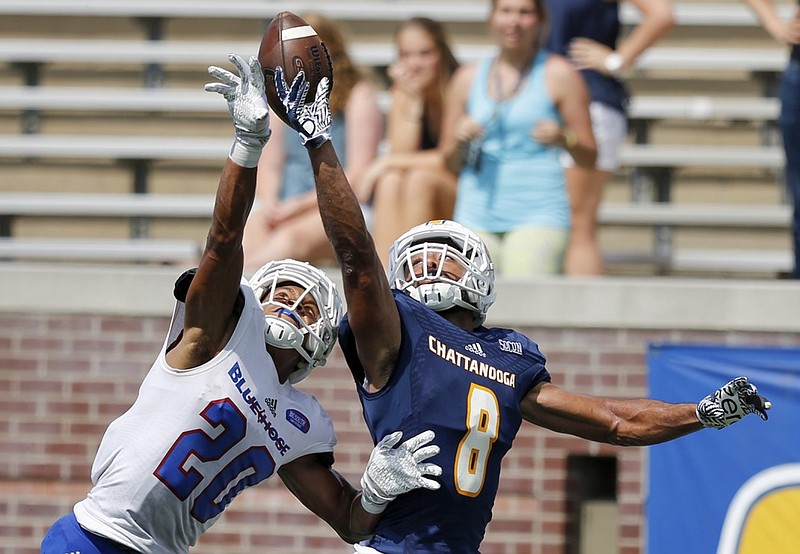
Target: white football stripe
[{"x": 303, "y": 31}]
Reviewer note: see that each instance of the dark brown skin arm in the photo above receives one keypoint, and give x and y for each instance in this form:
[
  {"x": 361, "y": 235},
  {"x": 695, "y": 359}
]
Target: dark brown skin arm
[
  {"x": 210, "y": 318},
  {"x": 638, "y": 422},
  {"x": 371, "y": 309},
  {"x": 327, "y": 494}
]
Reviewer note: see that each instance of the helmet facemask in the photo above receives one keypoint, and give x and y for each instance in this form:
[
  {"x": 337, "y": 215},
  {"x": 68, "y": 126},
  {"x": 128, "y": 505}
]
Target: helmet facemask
[
  {"x": 417, "y": 262},
  {"x": 313, "y": 341}
]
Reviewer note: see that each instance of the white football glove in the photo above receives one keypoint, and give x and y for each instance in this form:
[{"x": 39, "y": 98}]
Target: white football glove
[
  {"x": 730, "y": 403},
  {"x": 394, "y": 471},
  {"x": 311, "y": 120},
  {"x": 247, "y": 102}
]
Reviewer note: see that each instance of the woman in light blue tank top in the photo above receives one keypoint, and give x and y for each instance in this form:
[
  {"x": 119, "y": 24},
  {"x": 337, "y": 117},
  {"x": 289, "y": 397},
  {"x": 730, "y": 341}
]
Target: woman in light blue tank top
[
  {"x": 508, "y": 119},
  {"x": 495, "y": 186},
  {"x": 285, "y": 221}
]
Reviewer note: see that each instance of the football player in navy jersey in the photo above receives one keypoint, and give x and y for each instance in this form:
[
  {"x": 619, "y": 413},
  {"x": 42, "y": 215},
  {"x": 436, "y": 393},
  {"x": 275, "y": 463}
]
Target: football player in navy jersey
[{"x": 422, "y": 359}]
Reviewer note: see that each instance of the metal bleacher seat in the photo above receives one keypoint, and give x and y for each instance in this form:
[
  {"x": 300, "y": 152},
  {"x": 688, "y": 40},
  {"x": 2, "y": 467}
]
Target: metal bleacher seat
[
  {"x": 100, "y": 250},
  {"x": 653, "y": 162},
  {"x": 374, "y": 54},
  {"x": 134, "y": 207},
  {"x": 692, "y": 13}
]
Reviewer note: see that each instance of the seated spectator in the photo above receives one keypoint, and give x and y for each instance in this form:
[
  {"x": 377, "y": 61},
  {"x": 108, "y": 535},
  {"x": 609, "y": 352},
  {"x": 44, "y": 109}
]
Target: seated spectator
[
  {"x": 411, "y": 184},
  {"x": 285, "y": 221},
  {"x": 507, "y": 120},
  {"x": 588, "y": 32}
]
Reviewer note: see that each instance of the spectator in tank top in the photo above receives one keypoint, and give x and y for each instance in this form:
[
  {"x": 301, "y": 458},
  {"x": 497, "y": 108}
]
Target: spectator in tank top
[
  {"x": 411, "y": 184},
  {"x": 507, "y": 120}
]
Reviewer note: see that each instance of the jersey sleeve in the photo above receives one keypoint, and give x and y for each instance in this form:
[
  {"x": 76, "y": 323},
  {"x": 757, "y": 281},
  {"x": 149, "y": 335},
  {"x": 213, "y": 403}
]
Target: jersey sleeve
[
  {"x": 535, "y": 363},
  {"x": 313, "y": 427}
]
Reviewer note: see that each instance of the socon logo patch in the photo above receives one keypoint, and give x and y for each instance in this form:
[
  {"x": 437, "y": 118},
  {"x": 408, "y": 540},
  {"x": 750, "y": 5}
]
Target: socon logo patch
[{"x": 298, "y": 420}]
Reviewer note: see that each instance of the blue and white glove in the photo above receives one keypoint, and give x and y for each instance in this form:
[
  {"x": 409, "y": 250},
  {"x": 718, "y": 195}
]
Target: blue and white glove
[
  {"x": 393, "y": 471},
  {"x": 247, "y": 102},
  {"x": 311, "y": 120},
  {"x": 730, "y": 403}
]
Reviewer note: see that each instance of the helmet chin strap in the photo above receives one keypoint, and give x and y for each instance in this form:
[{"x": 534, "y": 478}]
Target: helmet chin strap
[
  {"x": 439, "y": 296},
  {"x": 282, "y": 334},
  {"x": 299, "y": 374}
]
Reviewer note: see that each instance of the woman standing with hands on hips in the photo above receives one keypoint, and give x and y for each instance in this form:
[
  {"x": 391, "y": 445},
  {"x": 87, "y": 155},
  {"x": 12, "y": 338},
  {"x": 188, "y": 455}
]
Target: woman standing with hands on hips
[
  {"x": 507, "y": 120},
  {"x": 587, "y": 31}
]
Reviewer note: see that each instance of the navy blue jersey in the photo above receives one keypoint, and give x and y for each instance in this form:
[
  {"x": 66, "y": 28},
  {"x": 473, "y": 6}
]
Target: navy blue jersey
[
  {"x": 467, "y": 388},
  {"x": 597, "y": 20}
]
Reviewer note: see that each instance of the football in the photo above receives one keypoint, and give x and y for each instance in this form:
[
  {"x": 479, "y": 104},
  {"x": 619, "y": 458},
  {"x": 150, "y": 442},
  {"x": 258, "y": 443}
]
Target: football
[{"x": 291, "y": 43}]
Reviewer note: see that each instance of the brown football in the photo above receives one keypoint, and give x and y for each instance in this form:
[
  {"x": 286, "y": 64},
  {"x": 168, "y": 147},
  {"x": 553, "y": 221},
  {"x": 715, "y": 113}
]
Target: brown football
[{"x": 291, "y": 43}]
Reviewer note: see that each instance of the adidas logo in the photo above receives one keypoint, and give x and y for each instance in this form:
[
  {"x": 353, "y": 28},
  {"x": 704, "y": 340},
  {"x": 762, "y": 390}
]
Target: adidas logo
[
  {"x": 272, "y": 404},
  {"x": 476, "y": 348}
]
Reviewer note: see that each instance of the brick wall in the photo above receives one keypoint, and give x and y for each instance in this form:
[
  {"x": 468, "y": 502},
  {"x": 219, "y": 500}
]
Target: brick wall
[{"x": 63, "y": 378}]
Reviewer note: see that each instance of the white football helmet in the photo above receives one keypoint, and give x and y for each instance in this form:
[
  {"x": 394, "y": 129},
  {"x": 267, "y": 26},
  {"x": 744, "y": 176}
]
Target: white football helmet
[
  {"x": 313, "y": 341},
  {"x": 442, "y": 238}
]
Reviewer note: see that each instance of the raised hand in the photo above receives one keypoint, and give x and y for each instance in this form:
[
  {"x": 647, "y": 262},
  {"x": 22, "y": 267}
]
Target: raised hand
[
  {"x": 247, "y": 102},
  {"x": 393, "y": 471},
  {"x": 730, "y": 403},
  {"x": 311, "y": 118}
]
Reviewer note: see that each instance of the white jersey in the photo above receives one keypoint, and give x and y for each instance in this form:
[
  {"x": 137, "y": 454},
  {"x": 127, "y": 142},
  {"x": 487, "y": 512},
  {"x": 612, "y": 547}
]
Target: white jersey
[{"x": 167, "y": 468}]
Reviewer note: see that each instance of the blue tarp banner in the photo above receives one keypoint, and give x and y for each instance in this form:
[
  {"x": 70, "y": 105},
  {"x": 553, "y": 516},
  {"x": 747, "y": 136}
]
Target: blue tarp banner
[{"x": 736, "y": 490}]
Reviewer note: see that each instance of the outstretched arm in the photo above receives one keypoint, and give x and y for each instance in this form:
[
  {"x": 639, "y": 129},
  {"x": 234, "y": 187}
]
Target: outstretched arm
[
  {"x": 212, "y": 294},
  {"x": 371, "y": 309},
  {"x": 639, "y": 422}
]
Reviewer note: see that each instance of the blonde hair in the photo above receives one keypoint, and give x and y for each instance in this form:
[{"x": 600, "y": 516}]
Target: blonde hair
[{"x": 345, "y": 72}]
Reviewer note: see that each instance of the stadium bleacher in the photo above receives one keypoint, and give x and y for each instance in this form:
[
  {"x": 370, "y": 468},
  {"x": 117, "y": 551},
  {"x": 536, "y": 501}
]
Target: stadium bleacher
[{"x": 131, "y": 94}]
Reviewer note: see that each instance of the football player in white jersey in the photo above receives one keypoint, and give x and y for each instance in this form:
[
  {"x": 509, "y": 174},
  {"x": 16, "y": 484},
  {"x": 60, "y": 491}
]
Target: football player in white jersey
[{"x": 217, "y": 411}]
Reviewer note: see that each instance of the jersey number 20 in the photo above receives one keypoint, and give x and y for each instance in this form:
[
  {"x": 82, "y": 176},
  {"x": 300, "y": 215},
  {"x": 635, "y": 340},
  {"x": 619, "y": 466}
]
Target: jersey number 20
[
  {"x": 256, "y": 461},
  {"x": 483, "y": 425}
]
